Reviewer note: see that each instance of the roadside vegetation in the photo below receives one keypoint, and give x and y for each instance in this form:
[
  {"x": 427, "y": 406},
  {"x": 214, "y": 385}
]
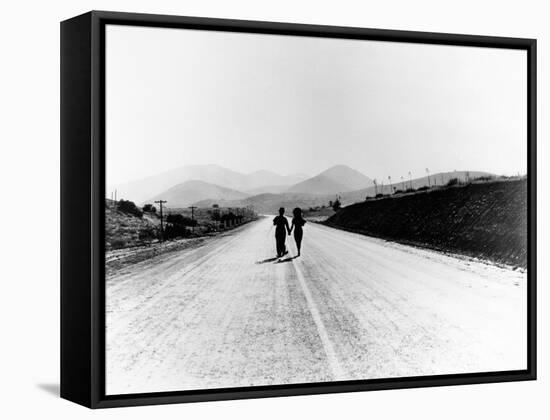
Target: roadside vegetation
[{"x": 127, "y": 225}]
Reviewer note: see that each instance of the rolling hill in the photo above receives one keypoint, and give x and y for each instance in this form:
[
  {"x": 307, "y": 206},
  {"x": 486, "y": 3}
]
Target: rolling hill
[
  {"x": 337, "y": 179},
  {"x": 437, "y": 179},
  {"x": 190, "y": 192}
]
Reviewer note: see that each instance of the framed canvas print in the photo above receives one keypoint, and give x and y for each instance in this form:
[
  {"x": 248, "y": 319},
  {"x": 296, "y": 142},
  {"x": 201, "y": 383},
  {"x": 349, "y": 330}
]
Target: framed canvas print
[{"x": 255, "y": 209}]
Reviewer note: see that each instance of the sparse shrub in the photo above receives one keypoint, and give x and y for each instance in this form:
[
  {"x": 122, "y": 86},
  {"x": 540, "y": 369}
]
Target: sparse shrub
[
  {"x": 398, "y": 191},
  {"x": 118, "y": 243},
  {"x": 149, "y": 208},
  {"x": 424, "y": 188},
  {"x": 452, "y": 182},
  {"x": 129, "y": 207},
  {"x": 410, "y": 190},
  {"x": 379, "y": 195},
  {"x": 147, "y": 235},
  {"x": 484, "y": 178}
]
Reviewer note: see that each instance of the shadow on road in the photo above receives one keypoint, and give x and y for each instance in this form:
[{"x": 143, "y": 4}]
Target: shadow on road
[
  {"x": 276, "y": 260},
  {"x": 287, "y": 259},
  {"x": 267, "y": 260}
]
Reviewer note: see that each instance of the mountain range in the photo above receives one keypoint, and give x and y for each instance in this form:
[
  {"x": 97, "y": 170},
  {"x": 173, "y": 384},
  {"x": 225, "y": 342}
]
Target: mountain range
[
  {"x": 144, "y": 189},
  {"x": 205, "y": 185},
  {"x": 335, "y": 180}
]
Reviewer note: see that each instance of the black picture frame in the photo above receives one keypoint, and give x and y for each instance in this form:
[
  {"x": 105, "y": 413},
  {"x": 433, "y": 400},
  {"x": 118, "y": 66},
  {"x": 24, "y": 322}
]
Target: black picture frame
[{"x": 82, "y": 207}]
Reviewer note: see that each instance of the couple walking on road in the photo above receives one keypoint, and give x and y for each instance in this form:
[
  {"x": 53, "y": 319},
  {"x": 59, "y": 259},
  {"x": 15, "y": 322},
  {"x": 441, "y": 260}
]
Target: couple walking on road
[{"x": 282, "y": 227}]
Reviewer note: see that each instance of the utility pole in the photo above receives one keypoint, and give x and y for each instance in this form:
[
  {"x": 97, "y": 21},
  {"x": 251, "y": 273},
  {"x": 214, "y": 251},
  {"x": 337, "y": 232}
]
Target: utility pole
[
  {"x": 161, "y": 202},
  {"x": 402, "y": 184},
  {"x": 410, "y": 180},
  {"x": 391, "y": 185},
  {"x": 375, "y": 187},
  {"x": 193, "y": 217},
  {"x": 428, "y": 172}
]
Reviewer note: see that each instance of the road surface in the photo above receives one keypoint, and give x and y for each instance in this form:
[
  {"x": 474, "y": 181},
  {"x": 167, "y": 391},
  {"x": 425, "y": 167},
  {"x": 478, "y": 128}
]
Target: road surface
[{"x": 228, "y": 314}]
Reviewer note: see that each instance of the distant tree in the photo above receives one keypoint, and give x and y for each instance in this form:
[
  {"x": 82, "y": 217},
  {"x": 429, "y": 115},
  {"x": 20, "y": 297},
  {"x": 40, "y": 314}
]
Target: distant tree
[
  {"x": 149, "y": 208},
  {"x": 172, "y": 231},
  {"x": 336, "y": 205},
  {"x": 452, "y": 182},
  {"x": 129, "y": 207},
  {"x": 180, "y": 220}
]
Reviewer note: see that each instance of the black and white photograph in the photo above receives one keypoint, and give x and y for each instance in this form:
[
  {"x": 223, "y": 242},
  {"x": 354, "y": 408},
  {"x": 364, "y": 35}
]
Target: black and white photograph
[{"x": 288, "y": 209}]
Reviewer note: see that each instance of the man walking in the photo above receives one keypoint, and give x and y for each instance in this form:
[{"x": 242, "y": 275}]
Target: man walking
[{"x": 281, "y": 230}]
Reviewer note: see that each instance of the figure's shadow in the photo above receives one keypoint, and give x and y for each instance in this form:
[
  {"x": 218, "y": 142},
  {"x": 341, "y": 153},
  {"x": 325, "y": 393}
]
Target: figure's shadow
[
  {"x": 276, "y": 260},
  {"x": 268, "y": 260},
  {"x": 288, "y": 259}
]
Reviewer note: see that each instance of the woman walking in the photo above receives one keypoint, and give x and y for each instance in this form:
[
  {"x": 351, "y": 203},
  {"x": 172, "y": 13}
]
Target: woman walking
[{"x": 298, "y": 223}]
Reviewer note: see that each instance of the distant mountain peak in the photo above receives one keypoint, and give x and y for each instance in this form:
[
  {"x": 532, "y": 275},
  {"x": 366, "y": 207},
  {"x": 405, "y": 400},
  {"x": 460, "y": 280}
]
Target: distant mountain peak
[{"x": 336, "y": 179}]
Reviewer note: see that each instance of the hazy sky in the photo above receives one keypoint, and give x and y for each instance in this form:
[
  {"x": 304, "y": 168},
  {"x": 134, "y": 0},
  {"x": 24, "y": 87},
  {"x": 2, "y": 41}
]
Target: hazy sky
[{"x": 295, "y": 104}]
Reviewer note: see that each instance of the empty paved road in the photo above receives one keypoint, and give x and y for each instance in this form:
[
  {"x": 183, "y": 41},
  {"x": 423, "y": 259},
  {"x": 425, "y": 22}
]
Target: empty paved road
[{"x": 351, "y": 307}]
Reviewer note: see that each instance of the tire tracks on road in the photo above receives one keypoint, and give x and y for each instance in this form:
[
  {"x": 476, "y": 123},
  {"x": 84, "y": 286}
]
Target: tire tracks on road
[{"x": 334, "y": 364}]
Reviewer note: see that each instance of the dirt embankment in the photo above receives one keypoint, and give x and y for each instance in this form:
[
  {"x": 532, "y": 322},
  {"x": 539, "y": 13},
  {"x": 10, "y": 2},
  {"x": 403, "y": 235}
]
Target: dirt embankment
[
  {"x": 124, "y": 230},
  {"x": 484, "y": 220}
]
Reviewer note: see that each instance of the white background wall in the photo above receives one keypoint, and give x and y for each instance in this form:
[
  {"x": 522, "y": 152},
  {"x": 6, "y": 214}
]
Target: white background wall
[{"x": 29, "y": 174}]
